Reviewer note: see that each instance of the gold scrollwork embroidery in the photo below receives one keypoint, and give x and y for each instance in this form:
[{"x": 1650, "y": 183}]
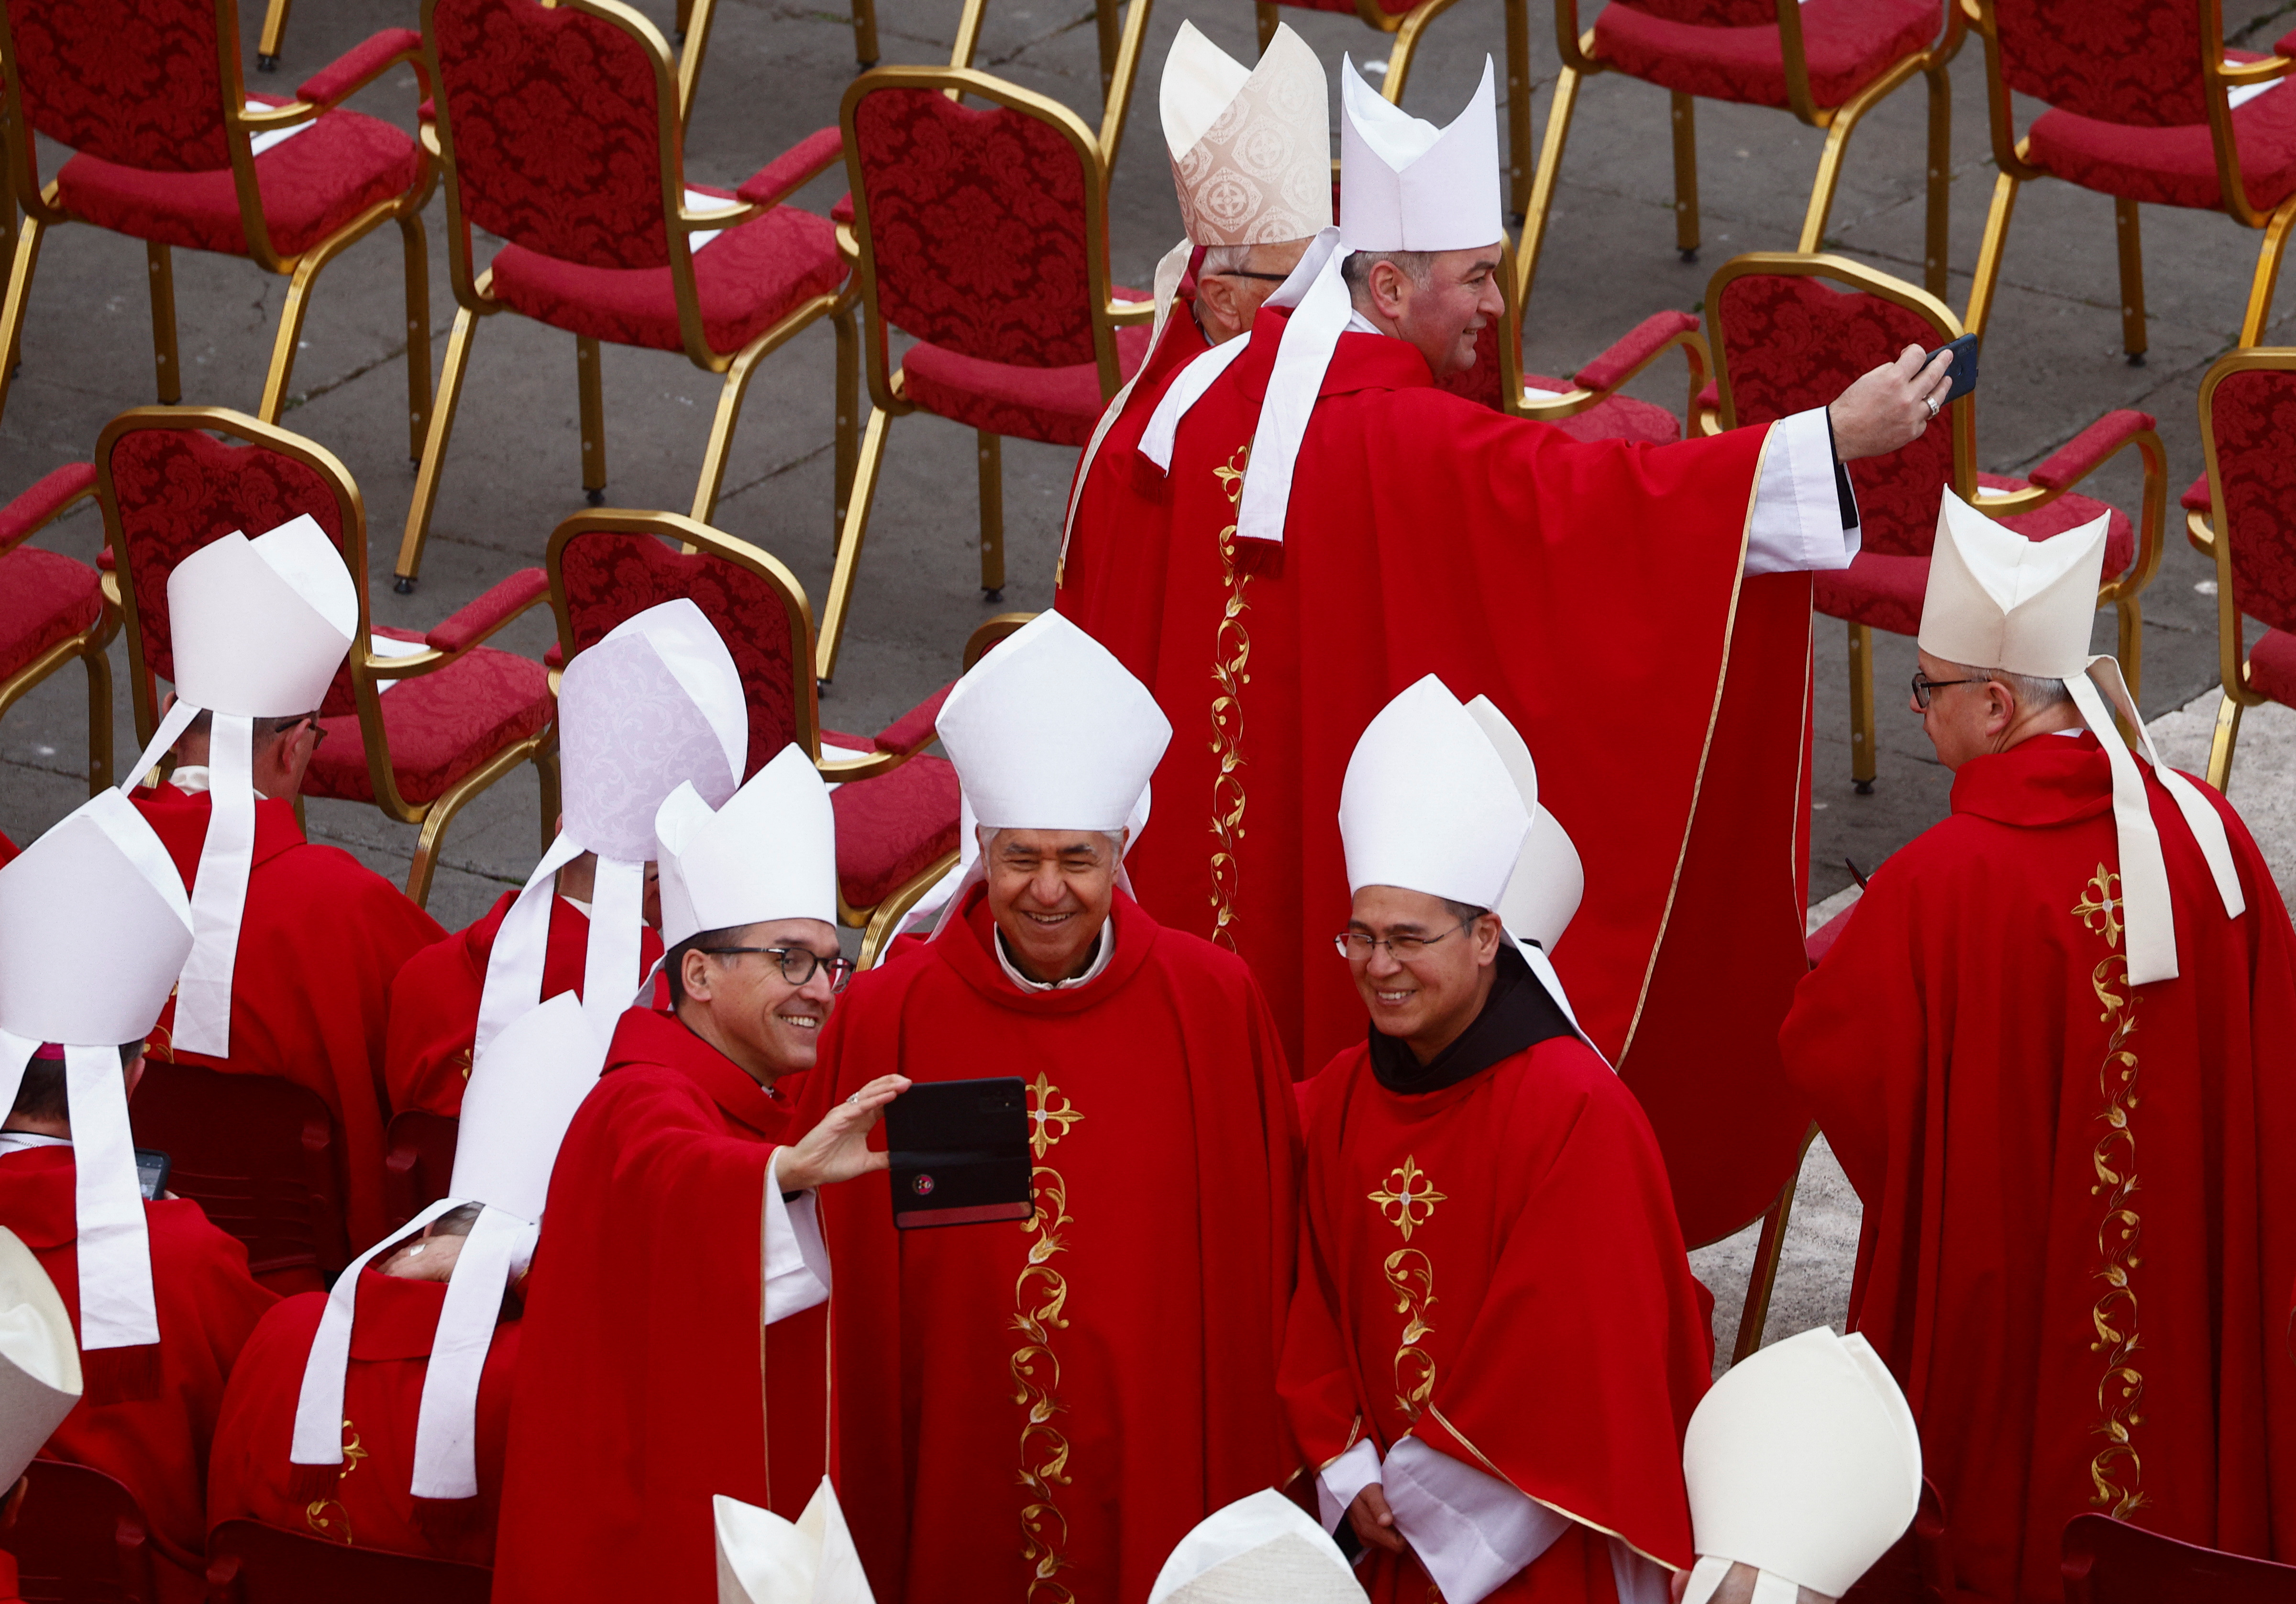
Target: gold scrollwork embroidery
[
  {"x": 2116, "y": 1471},
  {"x": 1231, "y": 654},
  {"x": 1408, "y": 1202},
  {"x": 1041, "y": 1298},
  {"x": 337, "y": 1526}
]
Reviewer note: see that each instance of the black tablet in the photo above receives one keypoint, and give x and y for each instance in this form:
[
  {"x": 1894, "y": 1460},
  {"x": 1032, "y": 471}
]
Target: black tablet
[{"x": 960, "y": 1153}]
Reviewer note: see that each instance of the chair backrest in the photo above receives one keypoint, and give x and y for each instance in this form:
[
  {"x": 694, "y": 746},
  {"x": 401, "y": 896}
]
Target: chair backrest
[
  {"x": 1711, "y": 13},
  {"x": 1785, "y": 340},
  {"x": 143, "y": 85},
  {"x": 608, "y": 566},
  {"x": 2108, "y": 1561},
  {"x": 2248, "y": 429},
  {"x": 251, "y": 1563},
  {"x": 418, "y": 1163},
  {"x": 258, "y": 1154},
  {"x": 80, "y": 1537},
  {"x": 2134, "y": 61}
]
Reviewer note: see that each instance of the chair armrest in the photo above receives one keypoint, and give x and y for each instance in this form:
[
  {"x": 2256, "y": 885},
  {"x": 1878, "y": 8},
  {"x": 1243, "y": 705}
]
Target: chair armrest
[
  {"x": 794, "y": 168},
  {"x": 1124, "y": 314},
  {"x": 839, "y": 772},
  {"x": 2086, "y": 451},
  {"x": 362, "y": 65},
  {"x": 1648, "y": 340},
  {"x": 473, "y": 622},
  {"x": 912, "y": 731},
  {"x": 43, "y": 503}
]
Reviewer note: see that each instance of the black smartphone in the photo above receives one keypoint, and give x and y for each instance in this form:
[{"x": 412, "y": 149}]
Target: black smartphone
[
  {"x": 1962, "y": 366},
  {"x": 960, "y": 1153},
  {"x": 151, "y": 1167}
]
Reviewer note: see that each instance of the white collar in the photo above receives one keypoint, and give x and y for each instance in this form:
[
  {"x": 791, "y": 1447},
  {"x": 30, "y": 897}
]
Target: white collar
[
  {"x": 23, "y": 1141},
  {"x": 191, "y": 779},
  {"x": 1104, "y": 944}
]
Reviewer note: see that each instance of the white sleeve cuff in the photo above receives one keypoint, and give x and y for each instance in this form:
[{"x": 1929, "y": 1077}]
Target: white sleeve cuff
[
  {"x": 1342, "y": 1479},
  {"x": 796, "y": 1268},
  {"x": 1797, "y": 521},
  {"x": 1470, "y": 1530}
]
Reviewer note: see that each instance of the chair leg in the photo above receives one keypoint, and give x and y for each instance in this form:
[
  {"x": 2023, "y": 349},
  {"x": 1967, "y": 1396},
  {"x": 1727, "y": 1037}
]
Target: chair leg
[
  {"x": 2268, "y": 272},
  {"x": 992, "y": 516},
  {"x": 685, "y": 18},
  {"x": 593, "y": 386},
  {"x": 1822, "y": 188},
  {"x": 1517, "y": 91},
  {"x": 11, "y": 311},
  {"x": 1542, "y": 183},
  {"x": 2130, "y": 648},
  {"x": 1686, "y": 176},
  {"x": 1987, "y": 276},
  {"x": 161, "y": 262},
  {"x": 2228, "y": 711},
  {"x": 1403, "y": 52},
  {"x": 848, "y": 544},
  {"x": 546, "y": 774},
  {"x": 2126, "y": 236},
  {"x": 849, "y": 408},
  {"x": 415, "y": 246},
  {"x": 864, "y": 33},
  {"x": 1763, "y": 1279},
  {"x": 434, "y": 449},
  {"x": 1861, "y": 707},
  {"x": 1940, "y": 182},
  {"x": 274, "y": 29},
  {"x": 721, "y": 432},
  {"x": 289, "y": 336},
  {"x": 1268, "y": 17},
  {"x": 99, "y": 718},
  {"x": 1109, "y": 14}
]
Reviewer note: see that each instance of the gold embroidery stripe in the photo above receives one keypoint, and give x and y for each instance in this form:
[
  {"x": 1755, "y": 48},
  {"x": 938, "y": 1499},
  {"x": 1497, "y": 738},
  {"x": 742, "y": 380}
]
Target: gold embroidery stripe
[
  {"x": 2116, "y": 1471},
  {"x": 1040, "y": 1297},
  {"x": 1231, "y": 654},
  {"x": 1406, "y": 1202}
]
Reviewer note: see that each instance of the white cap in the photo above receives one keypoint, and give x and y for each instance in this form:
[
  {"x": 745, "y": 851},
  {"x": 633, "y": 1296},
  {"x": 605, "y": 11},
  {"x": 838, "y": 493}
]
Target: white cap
[
  {"x": 1257, "y": 1549},
  {"x": 1428, "y": 805},
  {"x": 94, "y": 927},
  {"x": 1406, "y": 185},
  {"x": 39, "y": 1358},
  {"x": 1049, "y": 732},
  {"x": 1802, "y": 1461},
  {"x": 1548, "y": 881},
  {"x": 763, "y": 1559},
  {"x": 1251, "y": 151},
  {"x": 1997, "y": 600},
  {"x": 769, "y": 853}
]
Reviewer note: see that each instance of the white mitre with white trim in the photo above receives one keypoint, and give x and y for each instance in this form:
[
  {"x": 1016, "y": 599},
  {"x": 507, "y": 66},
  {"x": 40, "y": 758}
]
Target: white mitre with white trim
[
  {"x": 1997, "y": 600},
  {"x": 1406, "y": 185},
  {"x": 258, "y": 629},
  {"x": 1251, "y": 148},
  {"x": 1261, "y": 1550},
  {"x": 1428, "y": 805},
  {"x": 1802, "y": 1461},
  {"x": 769, "y": 853},
  {"x": 763, "y": 1559},
  {"x": 39, "y": 1358}
]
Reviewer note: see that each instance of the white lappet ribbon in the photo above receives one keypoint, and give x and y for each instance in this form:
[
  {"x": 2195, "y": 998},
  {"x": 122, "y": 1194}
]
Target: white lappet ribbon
[
  {"x": 1708, "y": 1573},
  {"x": 1170, "y": 271},
  {"x": 513, "y": 983},
  {"x": 219, "y": 886}
]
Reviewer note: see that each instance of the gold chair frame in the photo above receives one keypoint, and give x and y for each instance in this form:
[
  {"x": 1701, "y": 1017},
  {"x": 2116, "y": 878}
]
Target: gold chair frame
[
  {"x": 2122, "y": 590},
  {"x": 887, "y": 393},
  {"x": 44, "y": 209},
  {"x": 1839, "y": 122},
  {"x": 1548, "y": 406},
  {"x": 2232, "y": 646},
  {"x": 1762, "y": 1274},
  {"x": 1119, "y": 59},
  {"x": 89, "y": 645},
  {"x": 370, "y": 673},
  {"x": 474, "y": 300},
  {"x": 2009, "y": 154}
]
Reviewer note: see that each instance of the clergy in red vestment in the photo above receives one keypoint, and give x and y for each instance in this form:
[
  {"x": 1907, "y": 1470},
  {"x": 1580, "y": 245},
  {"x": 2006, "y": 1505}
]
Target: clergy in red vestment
[
  {"x": 93, "y": 929},
  {"x": 1036, "y": 1413},
  {"x": 296, "y": 944},
  {"x": 2050, "y": 1051},
  {"x": 654, "y": 704},
  {"x": 675, "y": 1343},
  {"x": 1496, "y": 1341}
]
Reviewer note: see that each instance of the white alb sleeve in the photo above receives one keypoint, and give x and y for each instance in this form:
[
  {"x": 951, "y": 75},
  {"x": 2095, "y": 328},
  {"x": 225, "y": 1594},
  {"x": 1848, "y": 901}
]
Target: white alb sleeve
[
  {"x": 1342, "y": 1479},
  {"x": 1470, "y": 1530},
  {"x": 1797, "y": 507},
  {"x": 796, "y": 1268}
]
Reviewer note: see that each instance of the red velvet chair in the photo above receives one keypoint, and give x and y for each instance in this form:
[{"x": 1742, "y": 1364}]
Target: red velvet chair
[
  {"x": 171, "y": 150},
  {"x": 562, "y": 130},
  {"x": 1827, "y": 62},
  {"x": 458, "y": 715},
  {"x": 2141, "y": 106},
  {"x": 418, "y": 1163},
  {"x": 1785, "y": 340},
  {"x": 81, "y": 1537},
  {"x": 896, "y": 809},
  {"x": 2108, "y": 1561},
  {"x": 251, "y": 1563},
  {"x": 983, "y": 235},
  {"x": 53, "y": 609}
]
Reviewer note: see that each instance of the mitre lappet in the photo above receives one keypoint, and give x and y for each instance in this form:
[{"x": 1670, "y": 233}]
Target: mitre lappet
[
  {"x": 257, "y": 629},
  {"x": 1260, "y": 1548},
  {"x": 1803, "y": 1461},
  {"x": 763, "y": 1559},
  {"x": 655, "y": 704},
  {"x": 522, "y": 1095},
  {"x": 39, "y": 1361},
  {"x": 1997, "y": 600},
  {"x": 93, "y": 929},
  {"x": 769, "y": 853}
]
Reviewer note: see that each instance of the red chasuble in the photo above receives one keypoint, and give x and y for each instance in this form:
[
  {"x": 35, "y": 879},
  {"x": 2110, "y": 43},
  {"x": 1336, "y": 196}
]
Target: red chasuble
[
  {"x": 156, "y": 1444},
  {"x": 321, "y": 939},
  {"x": 1591, "y": 589},
  {"x": 639, "y": 1394},
  {"x": 372, "y": 1502},
  {"x": 1036, "y": 1414},
  {"x": 2080, "y": 1214},
  {"x": 434, "y": 1002},
  {"x": 1494, "y": 1268}
]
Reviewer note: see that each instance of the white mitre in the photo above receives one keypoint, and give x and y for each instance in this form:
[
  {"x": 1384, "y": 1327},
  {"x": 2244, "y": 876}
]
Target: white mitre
[
  {"x": 763, "y": 1559},
  {"x": 1261, "y": 1550},
  {"x": 1802, "y": 1461},
  {"x": 1997, "y": 600},
  {"x": 39, "y": 1359},
  {"x": 93, "y": 929},
  {"x": 522, "y": 1098},
  {"x": 258, "y": 629},
  {"x": 769, "y": 853},
  {"x": 655, "y": 704},
  {"x": 1428, "y": 805},
  {"x": 1406, "y": 185}
]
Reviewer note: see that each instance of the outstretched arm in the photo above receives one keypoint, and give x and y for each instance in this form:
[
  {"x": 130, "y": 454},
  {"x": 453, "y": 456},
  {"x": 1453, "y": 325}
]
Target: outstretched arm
[
  {"x": 1889, "y": 407},
  {"x": 838, "y": 1148}
]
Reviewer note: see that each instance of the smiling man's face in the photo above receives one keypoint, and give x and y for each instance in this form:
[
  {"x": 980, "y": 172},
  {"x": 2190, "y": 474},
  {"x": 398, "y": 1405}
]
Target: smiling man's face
[
  {"x": 1049, "y": 891},
  {"x": 741, "y": 1003}
]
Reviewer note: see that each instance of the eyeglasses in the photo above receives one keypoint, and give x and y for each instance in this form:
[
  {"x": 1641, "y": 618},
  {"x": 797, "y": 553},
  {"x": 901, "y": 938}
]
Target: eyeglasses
[
  {"x": 799, "y": 964},
  {"x": 1923, "y": 685},
  {"x": 1273, "y": 278},
  {"x": 1358, "y": 945}
]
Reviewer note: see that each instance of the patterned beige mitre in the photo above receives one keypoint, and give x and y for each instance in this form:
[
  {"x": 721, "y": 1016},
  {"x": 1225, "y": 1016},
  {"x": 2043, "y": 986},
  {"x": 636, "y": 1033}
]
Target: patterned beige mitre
[{"x": 1251, "y": 152}]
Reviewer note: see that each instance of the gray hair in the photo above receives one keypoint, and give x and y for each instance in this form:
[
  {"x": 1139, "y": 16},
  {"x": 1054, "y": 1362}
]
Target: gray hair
[
  {"x": 1417, "y": 265},
  {"x": 2033, "y": 693},
  {"x": 1225, "y": 258}
]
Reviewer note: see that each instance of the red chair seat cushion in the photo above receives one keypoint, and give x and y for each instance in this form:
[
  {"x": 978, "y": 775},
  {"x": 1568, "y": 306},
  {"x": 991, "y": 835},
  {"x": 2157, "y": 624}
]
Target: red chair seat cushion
[
  {"x": 45, "y": 598},
  {"x": 2196, "y": 499},
  {"x": 1058, "y": 406},
  {"x": 2272, "y": 666},
  {"x": 747, "y": 279},
  {"x": 439, "y": 727},
  {"x": 312, "y": 186},
  {"x": 890, "y": 829},
  {"x": 1621, "y": 417},
  {"x": 1886, "y": 591},
  {"x": 2174, "y": 166},
  {"x": 1847, "y": 44},
  {"x": 1393, "y": 8}
]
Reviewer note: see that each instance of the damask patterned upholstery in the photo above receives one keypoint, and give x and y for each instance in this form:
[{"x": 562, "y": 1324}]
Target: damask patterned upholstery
[
  {"x": 439, "y": 726},
  {"x": 135, "y": 82},
  {"x": 45, "y": 598},
  {"x": 1847, "y": 44},
  {"x": 2174, "y": 166},
  {"x": 2272, "y": 666},
  {"x": 891, "y": 829},
  {"x": 1619, "y": 417},
  {"x": 2124, "y": 61},
  {"x": 1711, "y": 13},
  {"x": 1058, "y": 406},
  {"x": 2253, "y": 417}
]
